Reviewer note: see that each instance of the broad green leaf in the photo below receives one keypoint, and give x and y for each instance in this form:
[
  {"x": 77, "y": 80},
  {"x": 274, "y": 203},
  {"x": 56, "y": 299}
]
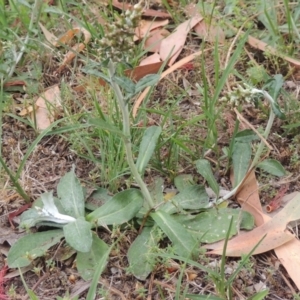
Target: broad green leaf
[
  {"x": 274, "y": 86},
  {"x": 97, "y": 199},
  {"x": 29, "y": 218},
  {"x": 120, "y": 209},
  {"x": 78, "y": 235},
  {"x": 141, "y": 262},
  {"x": 105, "y": 125},
  {"x": 87, "y": 262},
  {"x": 71, "y": 195},
  {"x": 183, "y": 242},
  {"x": 148, "y": 80},
  {"x": 245, "y": 136},
  {"x": 193, "y": 197},
  {"x": 156, "y": 190},
  {"x": 212, "y": 225},
  {"x": 272, "y": 166},
  {"x": 240, "y": 158},
  {"x": 32, "y": 216},
  {"x": 204, "y": 168},
  {"x": 183, "y": 181},
  {"x": 125, "y": 83},
  {"x": 32, "y": 246},
  {"x": 147, "y": 147},
  {"x": 277, "y": 111},
  {"x": 247, "y": 221}
]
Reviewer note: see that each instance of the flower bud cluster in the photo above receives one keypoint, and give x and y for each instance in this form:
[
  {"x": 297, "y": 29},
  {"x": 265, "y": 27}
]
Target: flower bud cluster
[
  {"x": 241, "y": 94},
  {"x": 118, "y": 43}
]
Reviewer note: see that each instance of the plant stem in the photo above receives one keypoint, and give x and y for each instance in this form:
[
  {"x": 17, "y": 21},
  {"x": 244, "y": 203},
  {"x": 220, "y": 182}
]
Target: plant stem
[
  {"x": 260, "y": 147},
  {"x": 127, "y": 136},
  {"x": 266, "y": 133}
]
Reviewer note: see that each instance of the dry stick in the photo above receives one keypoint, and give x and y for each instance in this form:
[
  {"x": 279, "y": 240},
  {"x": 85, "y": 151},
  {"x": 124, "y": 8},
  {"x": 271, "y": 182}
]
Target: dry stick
[
  {"x": 37, "y": 284},
  {"x": 112, "y": 289},
  {"x": 177, "y": 65},
  {"x": 287, "y": 282}
]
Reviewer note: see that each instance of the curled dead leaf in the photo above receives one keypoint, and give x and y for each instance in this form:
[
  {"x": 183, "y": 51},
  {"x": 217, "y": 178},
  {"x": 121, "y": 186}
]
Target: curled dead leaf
[
  {"x": 146, "y": 26},
  {"x": 153, "y": 42},
  {"x": 173, "y": 44},
  {"x": 46, "y": 105}
]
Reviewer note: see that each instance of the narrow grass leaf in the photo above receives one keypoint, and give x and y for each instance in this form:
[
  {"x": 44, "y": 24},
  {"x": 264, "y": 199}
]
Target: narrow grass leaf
[
  {"x": 183, "y": 242},
  {"x": 260, "y": 295},
  {"x": 192, "y": 197},
  {"x": 78, "y": 235},
  {"x": 87, "y": 262},
  {"x": 234, "y": 58},
  {"x": 31, "y": 246},
  {"x": 105, "y": 126},
  {"x": 273, "y": 167},
  {"x": 70, "y": 192},
  {"x": 240, "y": 158},
  {"x": 204, "y": 168},
  {"x": 99, "y": 268},
  {"x": 147, "y": 147},
  {"x": 141, "y": 262},
  {"x": 120, "y": 209}
]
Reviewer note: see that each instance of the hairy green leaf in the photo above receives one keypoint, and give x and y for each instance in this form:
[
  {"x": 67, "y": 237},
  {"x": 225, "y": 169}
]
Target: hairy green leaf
[
  {"x": 240, "y": 158},
  {"x": 71, "y": 194},
  {"x": 86, "y": 262},
  {"x": 78, "y": 235},
  {"x": 139, "y": 254},
  {"x": 212, "y": 225},
  {"x": 183, "y": 242},
  {"x": 156, "y": 190},
  {"x": 32, "y": 246},
  {"x": 120, "y": 209},
  {"x": 97, "y": 199},
  {"x": 204, "y": 168},
  {"x": 127, "y": 84},
  {"x": 272, "y": 166},
  {"x": 245, "y": 136},
  {"x": 148, "y": 80},
  {"x": 147, "y": 147},
  {"x": 183, "y": 181},
  {"x": 192, "y": 197}
]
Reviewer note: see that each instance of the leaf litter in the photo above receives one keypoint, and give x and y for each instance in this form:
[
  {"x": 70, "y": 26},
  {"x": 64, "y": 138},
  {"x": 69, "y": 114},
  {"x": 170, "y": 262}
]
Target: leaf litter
[{"x": 176, "y": 41}]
